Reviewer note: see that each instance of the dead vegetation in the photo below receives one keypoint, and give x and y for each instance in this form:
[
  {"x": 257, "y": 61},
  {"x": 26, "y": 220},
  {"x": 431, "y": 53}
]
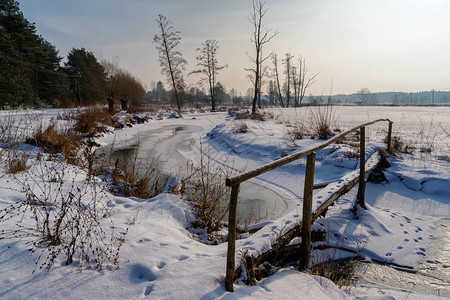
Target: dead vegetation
[
  {"x": 239, "y": 127},
  {"x": 63, "y": 141},
  {"x": 399, "y": 146},
  {"x": 17, "y": 164},
  {"x": 205, "y": 187},
  {"x": 93, "y": 120},
  {"x": 321, "y": 121},
  {"x": 128, "y": 179},
  {"x": 61, "y": 218}
]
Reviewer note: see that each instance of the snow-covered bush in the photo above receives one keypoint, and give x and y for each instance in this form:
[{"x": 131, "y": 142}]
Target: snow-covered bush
[{"x": 62, "y": 215}]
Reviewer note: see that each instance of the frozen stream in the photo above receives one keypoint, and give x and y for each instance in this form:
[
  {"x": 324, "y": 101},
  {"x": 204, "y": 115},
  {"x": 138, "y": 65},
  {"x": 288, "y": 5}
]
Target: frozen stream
[{"x": 173, "y": 147}]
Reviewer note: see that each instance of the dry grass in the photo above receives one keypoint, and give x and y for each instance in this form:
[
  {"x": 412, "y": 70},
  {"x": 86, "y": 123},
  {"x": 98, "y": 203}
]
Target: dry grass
[
  {"x": 399, "y": 146},
  {"x": 321, "y": 119},
  {"x": 247, "y": 115},
  {"x": 93, "y": 119},
  {"x": 239, "y": 127},
  {"x": 17, "y": 164},
  {"x": 64, "y": 141},
  {"x": 129, "y": 181},
  {"x": 206, "y": 188},
  {"x": 296, "y": 132}
]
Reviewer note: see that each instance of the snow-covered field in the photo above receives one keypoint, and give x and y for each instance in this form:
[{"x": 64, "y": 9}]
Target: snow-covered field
[{"x": 160, "y": 259}]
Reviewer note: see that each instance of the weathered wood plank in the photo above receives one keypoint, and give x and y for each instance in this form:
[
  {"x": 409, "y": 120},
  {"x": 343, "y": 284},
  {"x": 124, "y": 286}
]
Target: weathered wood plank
[
  {"x": 229, "y": 277},
  {"x": 362, "y": 166},
  {"x": 276, "y": 251},
  {"x": 290, "y": 158},
  {"x": 307, "y": 211}
]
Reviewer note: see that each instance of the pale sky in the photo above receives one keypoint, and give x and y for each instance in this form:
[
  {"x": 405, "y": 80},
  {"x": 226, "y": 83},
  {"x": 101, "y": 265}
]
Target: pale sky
[{"x": 397, "y": 45}]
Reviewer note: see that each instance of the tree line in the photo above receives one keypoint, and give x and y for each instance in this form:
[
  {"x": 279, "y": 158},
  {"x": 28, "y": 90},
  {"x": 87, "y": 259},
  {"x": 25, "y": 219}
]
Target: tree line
[
  {"x": 32, "y": 74},
  {"x": 291, "y": 92}
]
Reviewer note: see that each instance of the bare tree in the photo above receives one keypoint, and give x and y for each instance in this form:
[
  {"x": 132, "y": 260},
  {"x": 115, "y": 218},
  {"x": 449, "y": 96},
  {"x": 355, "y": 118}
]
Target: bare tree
[
  {"x": 364, "y": 95},
  {"x": 171, "y": 61},
  {"x": 209, "y": 67},
  {"x": 259, "y": 38},
  {"x": 302, "y": 83},
  {"x": 111, "y": 70},
  {"x": 277, "y": 79},
  {"x": 287, "y": 71}
]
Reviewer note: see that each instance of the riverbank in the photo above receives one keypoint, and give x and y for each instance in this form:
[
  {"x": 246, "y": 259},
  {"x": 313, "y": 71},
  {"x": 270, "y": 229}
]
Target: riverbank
[{"x": 161, "y": 260}]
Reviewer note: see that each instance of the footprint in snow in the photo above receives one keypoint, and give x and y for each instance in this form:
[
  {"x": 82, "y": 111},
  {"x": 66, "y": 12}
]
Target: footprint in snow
[
  {"x": 422, "y": 249},
  {"x": 400, "y": 247},
  {"x": 183, "y": 257},
  {"x": 388, "y": 254},
  {"x": 161, "y": 265},
  {"x": 420, "y": 253},
  {"x": 401, "y": 224},
  {"x": 408, "y": 220},
  {"x": 405, "y": 232},
  {"x": 140, "y": 273},
  {"x": 406, "y": 240},
  {"x": 184, "y": 247},
  {"x": 432, "y": 261},
  {"x": 148, "y": 290}
]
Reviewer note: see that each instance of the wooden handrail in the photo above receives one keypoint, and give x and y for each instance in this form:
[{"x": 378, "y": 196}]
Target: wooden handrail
[
  {"x": 290, "y": 158},
  {"x": 235, "y": 181}
]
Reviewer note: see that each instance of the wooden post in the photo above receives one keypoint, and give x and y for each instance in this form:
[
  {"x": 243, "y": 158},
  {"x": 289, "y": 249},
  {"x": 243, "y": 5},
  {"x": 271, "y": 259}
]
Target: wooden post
[
  {"x": 229, "y": 278},
  {"x": 362, "y": 168},
  {"x": 307, "y": 211},
  {"x": 389, "y": 138}
]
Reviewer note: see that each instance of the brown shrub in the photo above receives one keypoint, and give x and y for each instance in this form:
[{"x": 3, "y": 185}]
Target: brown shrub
[
  {"x": 130, "y": 182},
  {"x": 93, "y": 119},
  {"x": 399, "y": 146},
  {"x": 17, "y": 164},
  {"x": 239, "y": 127},
  {"x": 54, "y": 141},
  {"x": 296, "y": 132}
]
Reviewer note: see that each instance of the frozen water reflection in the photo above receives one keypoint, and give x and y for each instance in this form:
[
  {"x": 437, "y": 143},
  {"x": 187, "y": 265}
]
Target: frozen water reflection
[{"x": 256, "y": 203}]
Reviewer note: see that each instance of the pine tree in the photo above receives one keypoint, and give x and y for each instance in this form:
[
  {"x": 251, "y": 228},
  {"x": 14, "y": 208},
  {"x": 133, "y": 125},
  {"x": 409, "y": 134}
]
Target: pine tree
[
  {"x": 86, "y": 76},
  {"x": 28, "y": 62}
]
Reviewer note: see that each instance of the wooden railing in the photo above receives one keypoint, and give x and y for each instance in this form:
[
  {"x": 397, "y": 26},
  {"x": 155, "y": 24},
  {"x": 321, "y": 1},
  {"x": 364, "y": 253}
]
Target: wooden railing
[{"x": 234, "y": 183}]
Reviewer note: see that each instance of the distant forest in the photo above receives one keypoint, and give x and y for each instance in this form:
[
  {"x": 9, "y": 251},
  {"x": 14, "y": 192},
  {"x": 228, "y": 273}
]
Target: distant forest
[{"x": 396, "y": 98}]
